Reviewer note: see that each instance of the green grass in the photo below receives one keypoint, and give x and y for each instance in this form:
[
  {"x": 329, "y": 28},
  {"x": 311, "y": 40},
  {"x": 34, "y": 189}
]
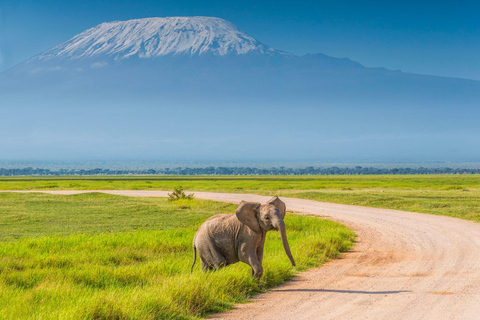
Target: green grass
[
  {"x": 97, "y": 256},
  {"x": 452, "y": 195}
]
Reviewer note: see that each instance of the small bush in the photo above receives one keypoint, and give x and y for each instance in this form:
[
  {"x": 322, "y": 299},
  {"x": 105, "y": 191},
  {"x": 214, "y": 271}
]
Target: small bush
[{"x": 179, "y": 194}]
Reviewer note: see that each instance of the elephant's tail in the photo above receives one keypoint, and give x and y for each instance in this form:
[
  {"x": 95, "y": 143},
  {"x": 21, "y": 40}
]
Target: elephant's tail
[{"x": 194, "y": 258}]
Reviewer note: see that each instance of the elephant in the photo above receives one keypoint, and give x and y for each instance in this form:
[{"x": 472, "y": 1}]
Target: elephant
[{"x": 226, "y": 239}]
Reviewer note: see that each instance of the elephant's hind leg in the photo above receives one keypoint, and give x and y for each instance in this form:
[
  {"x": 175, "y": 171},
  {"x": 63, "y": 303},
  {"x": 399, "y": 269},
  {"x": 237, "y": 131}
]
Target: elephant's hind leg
[
  {"x": 213, "y": 260},
  {"x": 206, "y": 266}
]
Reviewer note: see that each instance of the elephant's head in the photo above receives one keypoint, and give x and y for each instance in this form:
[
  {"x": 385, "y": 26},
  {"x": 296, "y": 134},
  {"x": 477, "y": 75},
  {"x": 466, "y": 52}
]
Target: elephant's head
[{"x": 268, "y": 216}]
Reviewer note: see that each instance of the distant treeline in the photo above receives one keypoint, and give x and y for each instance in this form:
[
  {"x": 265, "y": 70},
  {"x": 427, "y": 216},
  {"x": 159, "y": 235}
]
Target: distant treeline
[{"x": 237, "y": 171}]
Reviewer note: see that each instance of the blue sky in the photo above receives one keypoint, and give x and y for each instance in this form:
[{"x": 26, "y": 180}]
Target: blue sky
[{"x": 427, "y": 37}]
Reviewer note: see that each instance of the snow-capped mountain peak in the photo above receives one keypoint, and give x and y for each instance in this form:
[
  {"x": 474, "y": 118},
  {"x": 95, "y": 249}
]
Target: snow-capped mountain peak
[{"x": 154, "y": 37}]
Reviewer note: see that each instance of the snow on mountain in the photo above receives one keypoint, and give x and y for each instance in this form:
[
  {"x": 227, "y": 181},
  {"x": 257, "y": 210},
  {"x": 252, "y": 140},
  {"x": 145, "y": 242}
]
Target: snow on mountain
[{"x": 154, "y": 37}]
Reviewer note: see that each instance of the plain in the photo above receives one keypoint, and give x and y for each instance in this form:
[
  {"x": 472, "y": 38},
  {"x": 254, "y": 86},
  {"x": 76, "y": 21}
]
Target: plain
[
  {"x": 98, "y": 256},
  {"x": 452, "y": 195}
]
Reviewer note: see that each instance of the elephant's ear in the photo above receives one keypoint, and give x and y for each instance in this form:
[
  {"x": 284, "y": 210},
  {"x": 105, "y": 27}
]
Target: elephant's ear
[
  {"x": 279, "y": 204},
  {"x": 247, "y": 213}
]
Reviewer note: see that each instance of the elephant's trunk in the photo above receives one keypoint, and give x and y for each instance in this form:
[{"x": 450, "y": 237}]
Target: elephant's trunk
[{"x": 283, "y": 234}]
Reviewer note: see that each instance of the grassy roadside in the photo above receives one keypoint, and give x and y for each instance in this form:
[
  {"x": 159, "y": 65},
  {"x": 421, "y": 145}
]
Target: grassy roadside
[
  {"x": 452, "y": 195},
  {"x": 98, "y": 256}
]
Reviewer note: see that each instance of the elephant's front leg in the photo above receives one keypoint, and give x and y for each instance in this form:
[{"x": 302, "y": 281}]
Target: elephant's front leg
[
  {"x": 260, "y": 254},
  {"x": 249, "y": 256},
  {"x": 257, "y": 269}
]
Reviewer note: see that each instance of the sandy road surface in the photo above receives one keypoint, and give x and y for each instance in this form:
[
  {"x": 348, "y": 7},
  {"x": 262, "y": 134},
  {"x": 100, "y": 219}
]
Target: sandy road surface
[{"x": 404, "y": 266}]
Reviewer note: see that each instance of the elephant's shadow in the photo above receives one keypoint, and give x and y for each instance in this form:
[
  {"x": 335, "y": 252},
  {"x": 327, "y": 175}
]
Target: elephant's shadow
[{"x": 342, "y": 291}]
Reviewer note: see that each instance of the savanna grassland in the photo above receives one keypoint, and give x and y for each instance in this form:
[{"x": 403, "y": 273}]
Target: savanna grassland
[
  {"x": 99, "y": 256},
  {"x": 452, "y": 195}
]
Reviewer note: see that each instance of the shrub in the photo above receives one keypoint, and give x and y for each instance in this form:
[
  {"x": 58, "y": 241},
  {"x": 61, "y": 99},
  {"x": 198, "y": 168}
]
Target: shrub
[{"x": 179, "y": 194}]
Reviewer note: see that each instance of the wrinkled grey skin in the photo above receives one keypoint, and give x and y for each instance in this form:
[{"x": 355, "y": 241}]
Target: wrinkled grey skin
[{"x": 225, "y": 239}]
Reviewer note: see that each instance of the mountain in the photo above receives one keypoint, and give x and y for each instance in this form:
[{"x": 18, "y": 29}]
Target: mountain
[
  {"x": 156, "y": 37},
  {"x": 199, "y": 88}
]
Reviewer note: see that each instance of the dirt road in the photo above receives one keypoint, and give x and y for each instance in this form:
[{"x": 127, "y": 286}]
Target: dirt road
[{"x": 404, "y": 266}]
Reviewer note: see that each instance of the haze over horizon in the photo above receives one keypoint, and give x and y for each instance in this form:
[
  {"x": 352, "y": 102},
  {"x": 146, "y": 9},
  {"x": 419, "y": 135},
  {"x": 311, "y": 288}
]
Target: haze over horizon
[{"x": 201, "y": 89}]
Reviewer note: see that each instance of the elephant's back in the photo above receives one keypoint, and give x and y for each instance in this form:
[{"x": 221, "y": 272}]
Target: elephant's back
[
  {"x": 219, "y": 217},
  {"x": 216, "y": 226}
]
